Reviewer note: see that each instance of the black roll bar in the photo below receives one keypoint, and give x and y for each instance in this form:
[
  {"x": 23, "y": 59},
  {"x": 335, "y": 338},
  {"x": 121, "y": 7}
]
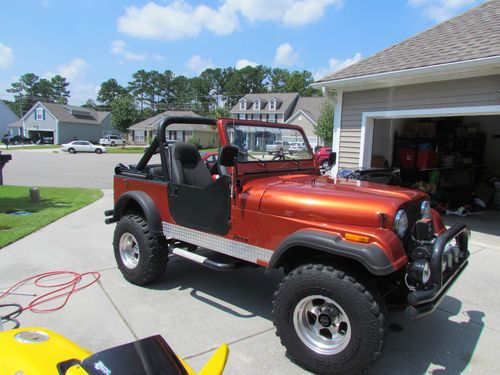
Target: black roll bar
[{"x": 159, "y": 140}]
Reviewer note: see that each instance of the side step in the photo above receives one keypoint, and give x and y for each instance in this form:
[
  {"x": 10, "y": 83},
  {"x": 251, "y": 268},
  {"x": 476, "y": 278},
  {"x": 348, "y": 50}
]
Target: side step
[{"x": 204, "y": 261}]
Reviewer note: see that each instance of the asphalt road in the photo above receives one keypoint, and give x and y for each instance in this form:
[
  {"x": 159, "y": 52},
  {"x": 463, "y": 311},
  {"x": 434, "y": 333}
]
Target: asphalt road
[{"x": 51, "y": 167}]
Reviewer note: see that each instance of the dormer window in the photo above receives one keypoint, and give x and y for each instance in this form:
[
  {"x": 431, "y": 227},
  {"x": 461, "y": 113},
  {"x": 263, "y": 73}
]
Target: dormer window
[
  {"x": 272, "y": 104},
  {"x": 256, "y": 104},
  {"x": 243, "y": 105},
  {"x": 39, "y": 115}
]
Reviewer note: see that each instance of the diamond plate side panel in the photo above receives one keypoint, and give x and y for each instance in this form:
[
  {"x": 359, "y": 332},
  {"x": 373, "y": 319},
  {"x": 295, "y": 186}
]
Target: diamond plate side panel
[{"x": 221, "y": 245}]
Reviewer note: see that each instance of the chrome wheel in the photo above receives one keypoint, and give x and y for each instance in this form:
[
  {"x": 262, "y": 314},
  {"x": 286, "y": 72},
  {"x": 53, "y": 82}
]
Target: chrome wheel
[
  {"x": 129, "y": 250},
  {"x": 322, "y": 324}
]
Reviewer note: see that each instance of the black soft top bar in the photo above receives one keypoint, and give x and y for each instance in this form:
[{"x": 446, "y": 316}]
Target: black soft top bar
[{"x": 159, "y": 140}]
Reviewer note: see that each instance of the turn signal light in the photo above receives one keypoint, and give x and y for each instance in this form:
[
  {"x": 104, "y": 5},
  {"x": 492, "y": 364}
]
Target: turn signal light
[{"x": 356, "y": 238}]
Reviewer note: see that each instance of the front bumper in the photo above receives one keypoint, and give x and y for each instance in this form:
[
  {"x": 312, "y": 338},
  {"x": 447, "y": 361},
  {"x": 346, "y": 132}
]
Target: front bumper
[{"x": 425, "y": 301}]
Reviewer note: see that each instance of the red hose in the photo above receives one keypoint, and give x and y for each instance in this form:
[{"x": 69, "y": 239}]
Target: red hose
[{"x": 62, "y": 290}]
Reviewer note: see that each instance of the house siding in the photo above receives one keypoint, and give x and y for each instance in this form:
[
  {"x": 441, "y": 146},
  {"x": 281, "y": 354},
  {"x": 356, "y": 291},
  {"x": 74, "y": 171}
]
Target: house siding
[
  {"x": 88, "y": 132},
  {"x": 49, "y": 123},
  {"x": 7, "y": 116},
  {"x": 480, "y": 91}
]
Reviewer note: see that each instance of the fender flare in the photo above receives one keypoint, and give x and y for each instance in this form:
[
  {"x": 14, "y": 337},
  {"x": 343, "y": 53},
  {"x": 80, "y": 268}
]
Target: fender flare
[
  {"x": 151, "y": 213},
  {"x": 371, "y": 256}
]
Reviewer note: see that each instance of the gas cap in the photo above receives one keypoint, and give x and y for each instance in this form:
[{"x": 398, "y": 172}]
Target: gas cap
[{"x": 31, "y": 337}]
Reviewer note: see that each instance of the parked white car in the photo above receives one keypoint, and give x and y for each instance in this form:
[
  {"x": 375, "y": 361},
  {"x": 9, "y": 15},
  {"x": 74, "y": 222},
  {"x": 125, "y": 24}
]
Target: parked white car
[
  {"x": 112, "y": 140},
  {"x": 277, "y": 146},
  {"x": 82, "y": 146},
  {"x": 296, "y": 147}
]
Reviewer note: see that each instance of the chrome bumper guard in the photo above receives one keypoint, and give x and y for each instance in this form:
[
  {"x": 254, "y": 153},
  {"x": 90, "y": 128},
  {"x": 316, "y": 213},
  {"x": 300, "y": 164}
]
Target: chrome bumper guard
[{"x": 425, "y": 301}]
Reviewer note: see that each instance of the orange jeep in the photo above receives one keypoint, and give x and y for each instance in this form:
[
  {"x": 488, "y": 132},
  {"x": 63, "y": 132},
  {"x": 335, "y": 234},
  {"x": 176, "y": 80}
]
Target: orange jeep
[{"x": 347, "y": 247}]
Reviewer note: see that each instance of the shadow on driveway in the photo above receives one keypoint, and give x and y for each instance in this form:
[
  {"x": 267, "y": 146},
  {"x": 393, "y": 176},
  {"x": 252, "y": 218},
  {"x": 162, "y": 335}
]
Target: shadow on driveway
[{"x": 444, "y": 340}]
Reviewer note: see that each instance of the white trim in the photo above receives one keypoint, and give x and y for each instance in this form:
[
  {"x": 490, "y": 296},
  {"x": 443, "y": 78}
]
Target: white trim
[
  {"x": 337, "y": 121},
  {"x": 396, "y": 75},
  {"x": 368, "y": 120},
  {"x": 300, "y": 111},
  {"x": 34, "y": 107}
]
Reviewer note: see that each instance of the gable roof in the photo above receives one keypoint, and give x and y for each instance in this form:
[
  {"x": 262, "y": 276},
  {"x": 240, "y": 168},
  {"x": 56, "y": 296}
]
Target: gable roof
[
  {"x": 472, "y": 35},
  {"x": 310, "y": 106},
  {"x": 153, "y": 122},
  {"x": 284, "y": 102},
  {"x": 72, "y": 113}
]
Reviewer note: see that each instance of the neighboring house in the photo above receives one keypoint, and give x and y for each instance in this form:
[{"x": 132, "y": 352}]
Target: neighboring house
[
  {"x": 144, "y": 131},
  {"x": 306, "y": 114},
  {"x": 271, "y": 107},
  {"x": 281, "y": 107},
  {"x": 65, "y": 123},
  {"x": 441, "y": 86},
  {"x": 7, "y": 116}
]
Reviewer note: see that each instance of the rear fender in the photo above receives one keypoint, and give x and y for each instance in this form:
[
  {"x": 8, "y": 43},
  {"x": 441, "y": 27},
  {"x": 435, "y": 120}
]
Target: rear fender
[
  {"x": 370, "y": 256},
  {"x": 146, "y": 204}
]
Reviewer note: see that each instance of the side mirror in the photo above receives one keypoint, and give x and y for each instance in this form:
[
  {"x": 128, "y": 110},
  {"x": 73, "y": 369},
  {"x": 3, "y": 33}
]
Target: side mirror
[
  {"x": 227, "y": 156},
  {"x": 332, "y": 159}
]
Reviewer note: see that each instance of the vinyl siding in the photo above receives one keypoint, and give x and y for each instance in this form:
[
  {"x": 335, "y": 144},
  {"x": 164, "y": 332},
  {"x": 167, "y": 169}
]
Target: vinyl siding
[
  {"x": 85, "y": 132},
  {"x": 48, "y": 124},
  {"x": 7, "y": 116},
  {"x": 481, "y": 91}
]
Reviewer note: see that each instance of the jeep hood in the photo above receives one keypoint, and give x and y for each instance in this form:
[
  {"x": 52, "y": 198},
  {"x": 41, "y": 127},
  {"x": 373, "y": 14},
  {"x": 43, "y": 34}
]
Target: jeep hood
[{"x": 326, "y": 200}]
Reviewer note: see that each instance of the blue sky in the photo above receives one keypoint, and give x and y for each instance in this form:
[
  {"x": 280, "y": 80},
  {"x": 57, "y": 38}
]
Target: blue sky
[{"x": 89, "y": 41}]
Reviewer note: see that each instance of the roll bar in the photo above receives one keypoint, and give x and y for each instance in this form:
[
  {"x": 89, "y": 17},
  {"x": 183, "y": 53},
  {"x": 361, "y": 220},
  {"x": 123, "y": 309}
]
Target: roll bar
[{"x": 159, "y": 140}]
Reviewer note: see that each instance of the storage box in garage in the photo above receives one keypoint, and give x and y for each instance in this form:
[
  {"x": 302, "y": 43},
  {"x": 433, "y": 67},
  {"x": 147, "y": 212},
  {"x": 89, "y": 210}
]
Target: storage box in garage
[{"x": 378, "y": 161}]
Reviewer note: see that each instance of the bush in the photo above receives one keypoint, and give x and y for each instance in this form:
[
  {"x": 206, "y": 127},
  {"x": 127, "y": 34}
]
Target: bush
[{"x": 195, "y": 141}]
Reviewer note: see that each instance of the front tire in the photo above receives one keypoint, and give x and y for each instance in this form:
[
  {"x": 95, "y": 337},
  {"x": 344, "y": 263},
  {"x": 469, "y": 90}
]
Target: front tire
[
  {"x": 139, "y": 254},
  {"x": 327, "y": 320},
  {"x": 98, "y": 151}
]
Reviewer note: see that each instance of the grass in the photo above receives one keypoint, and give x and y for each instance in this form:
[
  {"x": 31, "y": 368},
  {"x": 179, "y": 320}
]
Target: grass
[
  {"x": 34, "y": 147},
  {"x": 55, "y": 203},
  {"x": 125, "y": 150}
]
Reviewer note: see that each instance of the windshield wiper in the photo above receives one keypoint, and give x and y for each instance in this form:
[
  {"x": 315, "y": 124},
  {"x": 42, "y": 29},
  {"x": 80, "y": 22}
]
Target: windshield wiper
[{"x": 253, "y": 157}]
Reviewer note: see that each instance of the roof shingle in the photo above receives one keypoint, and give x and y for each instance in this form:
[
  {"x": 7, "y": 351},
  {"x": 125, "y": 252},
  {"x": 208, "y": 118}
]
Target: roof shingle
[{"x": 472, "y": 35}]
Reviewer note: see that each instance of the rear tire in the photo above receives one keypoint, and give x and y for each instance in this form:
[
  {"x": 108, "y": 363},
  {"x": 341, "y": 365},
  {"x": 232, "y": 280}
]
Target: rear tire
[
  {"x": 71, "y": 151},
  {"x": 113, "y": 144},
  {"x": 139, "y": 254},
  {"x": 328, "y": 321}
]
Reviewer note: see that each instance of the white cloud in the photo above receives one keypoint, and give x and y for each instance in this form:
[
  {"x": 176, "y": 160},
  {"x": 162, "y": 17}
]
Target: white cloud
[
  {"x": 80, "y": 92},
  {"x": 198, "y": 64},
  {"x": 176, "y": 20},
  {"x": 285, "y": 55},
  {"x": 289, "y": 12},
  {"x": 6, "y": 56},
  {"x": 118, "y": 48},
  {"x": 159, "y": 57},
  {"x": 240, "y": 64},
  {"x": 74, "y": 70},
  {"x": 335, "y": 65},
  {"x": 441, "y": 10}
]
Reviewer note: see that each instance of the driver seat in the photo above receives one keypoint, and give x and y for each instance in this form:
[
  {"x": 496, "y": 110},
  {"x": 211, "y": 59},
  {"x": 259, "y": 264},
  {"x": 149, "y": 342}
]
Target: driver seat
[{"x": 186, "y": 166}]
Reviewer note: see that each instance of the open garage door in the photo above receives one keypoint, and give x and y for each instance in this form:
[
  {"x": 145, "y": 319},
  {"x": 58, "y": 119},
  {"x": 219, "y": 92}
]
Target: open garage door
[{"x": 42, "y": 136}]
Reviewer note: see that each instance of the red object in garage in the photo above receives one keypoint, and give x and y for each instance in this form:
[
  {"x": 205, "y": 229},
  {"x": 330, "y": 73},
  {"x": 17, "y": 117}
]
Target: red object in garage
[
  {"x": 407, "y": 158},
  {"x": 427, "y": 159}
]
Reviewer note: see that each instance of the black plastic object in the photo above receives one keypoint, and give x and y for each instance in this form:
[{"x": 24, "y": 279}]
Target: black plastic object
[
  {"x": 149, "y": 356},
  {"x": 207, "y": 209},
  {"x": 227, "y": 156}
]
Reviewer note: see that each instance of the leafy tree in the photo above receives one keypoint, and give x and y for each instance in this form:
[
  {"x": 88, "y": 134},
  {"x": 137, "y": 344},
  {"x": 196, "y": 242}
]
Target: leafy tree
[
  {"x": 163, "y": 89},
  {"x": 60, "y": 92},
  {"x": 140, "y": 87},
  {"x": 24, "y": 90},
  {"x": 243, "y": 81},
  {"x": 324, "y": 127},
  {"x": 299, "y": 82},
  {"x": 91, "y": 104},
  {"x": 182, "y": 98},
  {"x": 278, "y": 79},
  {"x": 110, "y": 91},
  {"x": 44, "y": 91},
  {"x": 220, "y": 112},
  {"x": 123, "y": 113}
]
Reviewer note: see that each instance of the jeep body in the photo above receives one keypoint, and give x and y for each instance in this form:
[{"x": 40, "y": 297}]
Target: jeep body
[{"x": 347, "y": 247}]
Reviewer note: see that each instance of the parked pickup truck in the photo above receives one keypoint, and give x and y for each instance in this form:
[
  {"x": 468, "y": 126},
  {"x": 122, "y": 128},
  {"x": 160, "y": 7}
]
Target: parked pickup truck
[
  {"x": 112, "y": 140},
  {"x": 277, "y": 147},
  {"x": 347, "y": 247}
]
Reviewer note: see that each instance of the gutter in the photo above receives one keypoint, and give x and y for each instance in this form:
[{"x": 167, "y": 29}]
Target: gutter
[{"x": 453, "y": 67}]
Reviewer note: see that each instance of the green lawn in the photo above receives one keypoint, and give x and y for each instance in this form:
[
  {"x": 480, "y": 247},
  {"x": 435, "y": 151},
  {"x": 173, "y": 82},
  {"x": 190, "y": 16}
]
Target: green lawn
[
  {"x": 125, "y": 150},
  {"x": 35, "y": 147},
  {"x": 55, "y": 203}
]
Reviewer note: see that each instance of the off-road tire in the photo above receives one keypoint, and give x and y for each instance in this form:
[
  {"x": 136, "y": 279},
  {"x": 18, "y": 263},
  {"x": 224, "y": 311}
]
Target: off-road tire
[
  {"x": 71, "y": 150},
  {"x": 153, "y": 256},
  {"x": 98, "y": 151},
  {"x": 365, "y": 315}
]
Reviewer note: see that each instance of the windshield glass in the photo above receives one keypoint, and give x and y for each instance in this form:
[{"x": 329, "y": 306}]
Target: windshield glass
[{"x": 267, "y": 143}]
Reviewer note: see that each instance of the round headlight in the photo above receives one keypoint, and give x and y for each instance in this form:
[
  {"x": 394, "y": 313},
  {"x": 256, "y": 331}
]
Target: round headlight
[
  {"x": 401, "y": 223},
  {"x": 425, "y": 210}
]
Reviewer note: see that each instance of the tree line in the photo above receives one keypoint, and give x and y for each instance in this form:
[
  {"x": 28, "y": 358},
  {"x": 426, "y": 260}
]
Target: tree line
[{"x": 213, "y": 92}]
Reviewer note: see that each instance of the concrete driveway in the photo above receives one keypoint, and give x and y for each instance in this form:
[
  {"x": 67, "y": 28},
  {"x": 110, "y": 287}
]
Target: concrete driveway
[{"x": 196, "y": 309}]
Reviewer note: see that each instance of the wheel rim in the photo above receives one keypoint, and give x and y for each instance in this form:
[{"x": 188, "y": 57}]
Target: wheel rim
[
  {"x": 129, "y": 250},
  {"x": 325, "y": 164},
  {"x": 322, "y": 325}
]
